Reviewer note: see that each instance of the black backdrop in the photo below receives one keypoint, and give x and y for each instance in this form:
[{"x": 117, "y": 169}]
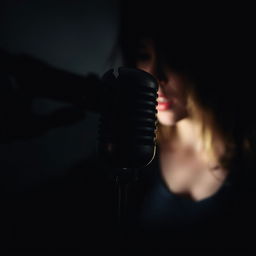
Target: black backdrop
[{"x": 76, "y": 36}]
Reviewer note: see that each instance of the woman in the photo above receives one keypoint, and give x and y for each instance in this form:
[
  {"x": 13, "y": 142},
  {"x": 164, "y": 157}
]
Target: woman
[
  {"x": 198, "y": 189},
  {"x": 197, "y": 193}
]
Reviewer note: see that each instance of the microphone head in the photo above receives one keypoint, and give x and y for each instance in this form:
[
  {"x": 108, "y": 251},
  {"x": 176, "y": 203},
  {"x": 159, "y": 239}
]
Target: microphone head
[{"x": 127, "y": 131}]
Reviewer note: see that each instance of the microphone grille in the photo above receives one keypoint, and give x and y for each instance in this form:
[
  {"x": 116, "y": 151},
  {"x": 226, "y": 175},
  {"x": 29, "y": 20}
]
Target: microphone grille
[{"x": 128, "y": 122}]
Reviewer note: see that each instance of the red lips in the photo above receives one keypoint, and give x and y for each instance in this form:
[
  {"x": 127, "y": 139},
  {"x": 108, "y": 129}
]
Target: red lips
[{"x": 163, "y": 102}]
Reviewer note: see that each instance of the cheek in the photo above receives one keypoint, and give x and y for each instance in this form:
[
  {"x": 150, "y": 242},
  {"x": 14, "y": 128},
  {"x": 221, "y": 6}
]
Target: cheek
[
  {"x": 175, "y": 86},
  {"x": 181, "y": 109}
]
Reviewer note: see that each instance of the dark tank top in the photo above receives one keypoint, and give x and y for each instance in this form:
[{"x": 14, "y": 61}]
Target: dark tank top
[{"x": 175, "y": 221}]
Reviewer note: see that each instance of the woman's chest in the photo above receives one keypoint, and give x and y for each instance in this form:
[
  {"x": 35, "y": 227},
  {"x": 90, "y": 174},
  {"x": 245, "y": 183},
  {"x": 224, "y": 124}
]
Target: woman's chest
[{"x": 190, "y": 175}]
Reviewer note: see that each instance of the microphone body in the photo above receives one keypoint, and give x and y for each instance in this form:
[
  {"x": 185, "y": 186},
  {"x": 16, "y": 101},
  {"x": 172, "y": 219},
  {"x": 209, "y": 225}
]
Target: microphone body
[{"x": 128, "y": 121}]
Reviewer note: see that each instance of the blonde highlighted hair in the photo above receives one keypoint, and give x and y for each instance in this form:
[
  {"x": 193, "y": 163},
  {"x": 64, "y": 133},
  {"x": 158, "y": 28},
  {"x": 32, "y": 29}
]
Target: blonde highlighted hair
[{"x": 219, "y": 143}]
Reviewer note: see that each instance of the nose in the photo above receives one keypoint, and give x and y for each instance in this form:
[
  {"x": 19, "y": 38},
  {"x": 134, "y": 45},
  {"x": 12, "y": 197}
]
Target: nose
[
  {"x": 162, "y": 85},
  {"x": 160, "y": 92}
]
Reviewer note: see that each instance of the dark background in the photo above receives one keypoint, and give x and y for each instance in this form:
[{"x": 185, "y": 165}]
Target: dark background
[{"x": 76, "y": 36}]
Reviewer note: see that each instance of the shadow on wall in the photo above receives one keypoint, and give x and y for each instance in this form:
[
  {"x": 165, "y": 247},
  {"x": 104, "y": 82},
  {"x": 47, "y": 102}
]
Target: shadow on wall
[{"x": 77, "y": 36}]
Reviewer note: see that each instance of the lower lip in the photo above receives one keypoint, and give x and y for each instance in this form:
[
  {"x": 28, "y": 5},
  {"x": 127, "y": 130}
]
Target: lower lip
[{"x": 164, "y": 106}]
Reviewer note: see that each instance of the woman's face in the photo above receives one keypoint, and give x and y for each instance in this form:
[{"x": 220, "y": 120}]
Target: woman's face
[{"x": 171, "y": 94}]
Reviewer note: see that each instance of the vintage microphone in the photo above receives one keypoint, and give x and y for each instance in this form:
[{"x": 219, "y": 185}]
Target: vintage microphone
[
  {"x": 127, "y": 128},
  {"x": 126, "y": 103}
]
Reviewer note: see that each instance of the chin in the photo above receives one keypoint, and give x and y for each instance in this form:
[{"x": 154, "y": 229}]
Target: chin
[{"x": 166, "y": 118}]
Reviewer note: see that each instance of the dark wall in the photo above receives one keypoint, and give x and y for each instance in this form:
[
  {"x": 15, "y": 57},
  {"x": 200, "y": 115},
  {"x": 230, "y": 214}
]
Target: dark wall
[{"x": 76, "y": 36}]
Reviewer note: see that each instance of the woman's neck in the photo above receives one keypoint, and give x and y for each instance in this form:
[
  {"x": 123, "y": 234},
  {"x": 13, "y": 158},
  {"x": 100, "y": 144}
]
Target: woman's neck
[{"x": 188, "y": 135}]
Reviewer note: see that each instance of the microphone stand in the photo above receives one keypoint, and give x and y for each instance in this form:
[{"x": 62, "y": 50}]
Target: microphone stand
[{"x": 124, "y": 179}]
